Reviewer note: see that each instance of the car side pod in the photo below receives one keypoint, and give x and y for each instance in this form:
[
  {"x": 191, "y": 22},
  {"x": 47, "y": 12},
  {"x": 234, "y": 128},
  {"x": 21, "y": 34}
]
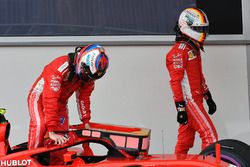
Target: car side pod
[{"x": 4, "y": 133}]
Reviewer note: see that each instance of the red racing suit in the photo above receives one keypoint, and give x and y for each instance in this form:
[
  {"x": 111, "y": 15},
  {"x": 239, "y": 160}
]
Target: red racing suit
[
  {"x": 48, "y": 98},
  {"x": 187, "y": 82}
]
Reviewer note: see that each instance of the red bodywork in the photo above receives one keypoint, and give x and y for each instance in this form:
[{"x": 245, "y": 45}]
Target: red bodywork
[{"x": 128, "y": 147}]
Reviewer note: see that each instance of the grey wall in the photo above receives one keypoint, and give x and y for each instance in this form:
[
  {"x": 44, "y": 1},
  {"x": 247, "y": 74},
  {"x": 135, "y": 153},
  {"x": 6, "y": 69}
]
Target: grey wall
[{"x": 135, "y": 90}]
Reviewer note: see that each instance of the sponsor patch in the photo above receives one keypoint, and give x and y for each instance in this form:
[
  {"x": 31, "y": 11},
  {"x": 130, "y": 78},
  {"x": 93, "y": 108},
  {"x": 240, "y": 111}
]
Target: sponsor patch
[
  {"x": 62, "y": 120},
  {"x": 55, "y": 83},
  {"x": 63, "y": 66},
  {"x": 182, "y": 46},
  {"x": 84, "y": 112},
  {"x": 39, "y": 86},
  {"x": 191, "y": 55},
  {"x": 177, "y": 61}
]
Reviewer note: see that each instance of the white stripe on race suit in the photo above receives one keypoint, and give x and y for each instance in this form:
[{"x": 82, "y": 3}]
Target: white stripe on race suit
[
  {"x": 203, "y": 122},
  {"x": 188, "y": 95},
  {"x": 207, "y": 124},
  {"x": 31, "y": 108},
  {"x": 38, "y": 119},
  {"x": 63, "y": 67},
  {"x": 186, "y": 87},
  {"x": 198, "y": 120},
  {"x": 37, "y": 92},
  {"x": 39, "y": 87}
]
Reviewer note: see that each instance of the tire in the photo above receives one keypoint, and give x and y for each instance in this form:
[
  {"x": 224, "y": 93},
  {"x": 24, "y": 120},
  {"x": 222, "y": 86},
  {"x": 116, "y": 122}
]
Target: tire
[{"x": 232, "y": 151}]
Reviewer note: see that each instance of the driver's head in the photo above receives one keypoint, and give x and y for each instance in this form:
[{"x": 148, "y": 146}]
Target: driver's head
[
  {"x": 194, "y": 24},
  {"x": 91, "y": 62}
]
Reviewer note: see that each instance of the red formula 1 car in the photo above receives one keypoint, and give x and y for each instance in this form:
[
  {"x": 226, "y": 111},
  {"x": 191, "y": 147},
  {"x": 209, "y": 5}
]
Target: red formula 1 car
[{"x": 126, "y": 147}]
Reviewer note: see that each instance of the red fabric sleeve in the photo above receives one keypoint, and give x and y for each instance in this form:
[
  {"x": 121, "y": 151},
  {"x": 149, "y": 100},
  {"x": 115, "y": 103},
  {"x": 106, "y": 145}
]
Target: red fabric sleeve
[
  {"x": 83, "y": 100},
  {"x": 176, "y": 64},
  {"x": 204, "y": 85},
  {"x": 51, "y": 95},
  {"x": 203, "y": 81}
]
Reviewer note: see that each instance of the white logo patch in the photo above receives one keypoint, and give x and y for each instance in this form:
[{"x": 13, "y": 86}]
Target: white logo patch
[
  {"x": 182, "y": 46},
  {"x": 177, "y": 61},
  {"x": 55, "y": 83},
  {"x": 63, "y": 66}
]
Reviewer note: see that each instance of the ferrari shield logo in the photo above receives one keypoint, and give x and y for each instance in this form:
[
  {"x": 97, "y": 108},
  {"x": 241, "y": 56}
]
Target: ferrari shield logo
[{"x": 191, "y": 55}]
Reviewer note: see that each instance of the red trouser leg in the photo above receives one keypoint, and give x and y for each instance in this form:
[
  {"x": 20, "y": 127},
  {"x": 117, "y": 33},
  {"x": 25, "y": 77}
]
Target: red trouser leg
[
  {"x": 203, "y": 124},
  {"x": 37, "y": 128},
  {"x": 198, "y": 120},
  {"x": 185, "y": 139}
]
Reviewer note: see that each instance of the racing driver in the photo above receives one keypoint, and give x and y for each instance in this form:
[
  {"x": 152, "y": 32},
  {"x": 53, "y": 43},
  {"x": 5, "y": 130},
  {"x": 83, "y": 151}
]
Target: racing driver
[
  {"x": 187, "y": 82},
  {"x": 47, "y": 100}
]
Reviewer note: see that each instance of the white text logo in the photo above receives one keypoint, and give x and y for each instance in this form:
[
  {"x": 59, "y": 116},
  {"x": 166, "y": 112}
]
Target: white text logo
[{"x": 25, "y": 162}]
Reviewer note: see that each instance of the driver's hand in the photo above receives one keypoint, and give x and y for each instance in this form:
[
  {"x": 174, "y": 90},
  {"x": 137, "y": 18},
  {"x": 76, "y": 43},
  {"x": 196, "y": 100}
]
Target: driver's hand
[
  {"x": 87, "y": 125},
  {"x": 210, "y": 102},
  {"x": 182, "y": 116},
  {"x": 59, "y": 139}
]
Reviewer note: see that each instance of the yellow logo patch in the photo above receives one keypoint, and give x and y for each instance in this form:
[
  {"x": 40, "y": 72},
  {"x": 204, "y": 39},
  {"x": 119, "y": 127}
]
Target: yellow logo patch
[{"x": 191, "y": 55}]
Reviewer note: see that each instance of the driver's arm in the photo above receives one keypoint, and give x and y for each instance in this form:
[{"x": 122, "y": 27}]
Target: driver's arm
[
  {"x": 83, "y": 100},
  {"x": 51, "y": 95}
]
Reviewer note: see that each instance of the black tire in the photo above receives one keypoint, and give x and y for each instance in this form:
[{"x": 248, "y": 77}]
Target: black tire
[{"x": 232, "y": 151}]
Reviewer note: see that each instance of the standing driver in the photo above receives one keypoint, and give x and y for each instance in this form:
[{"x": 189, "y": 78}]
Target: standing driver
[
  {"x": 48, "y": 98},
  {"x": 187, "y": 81}
]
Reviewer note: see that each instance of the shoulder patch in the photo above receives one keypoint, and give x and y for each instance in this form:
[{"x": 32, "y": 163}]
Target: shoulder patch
[
  {"x": 63, "y": 67},
  {"x": 55, "y": 84},
  {"x": 191, "y": 55}
]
